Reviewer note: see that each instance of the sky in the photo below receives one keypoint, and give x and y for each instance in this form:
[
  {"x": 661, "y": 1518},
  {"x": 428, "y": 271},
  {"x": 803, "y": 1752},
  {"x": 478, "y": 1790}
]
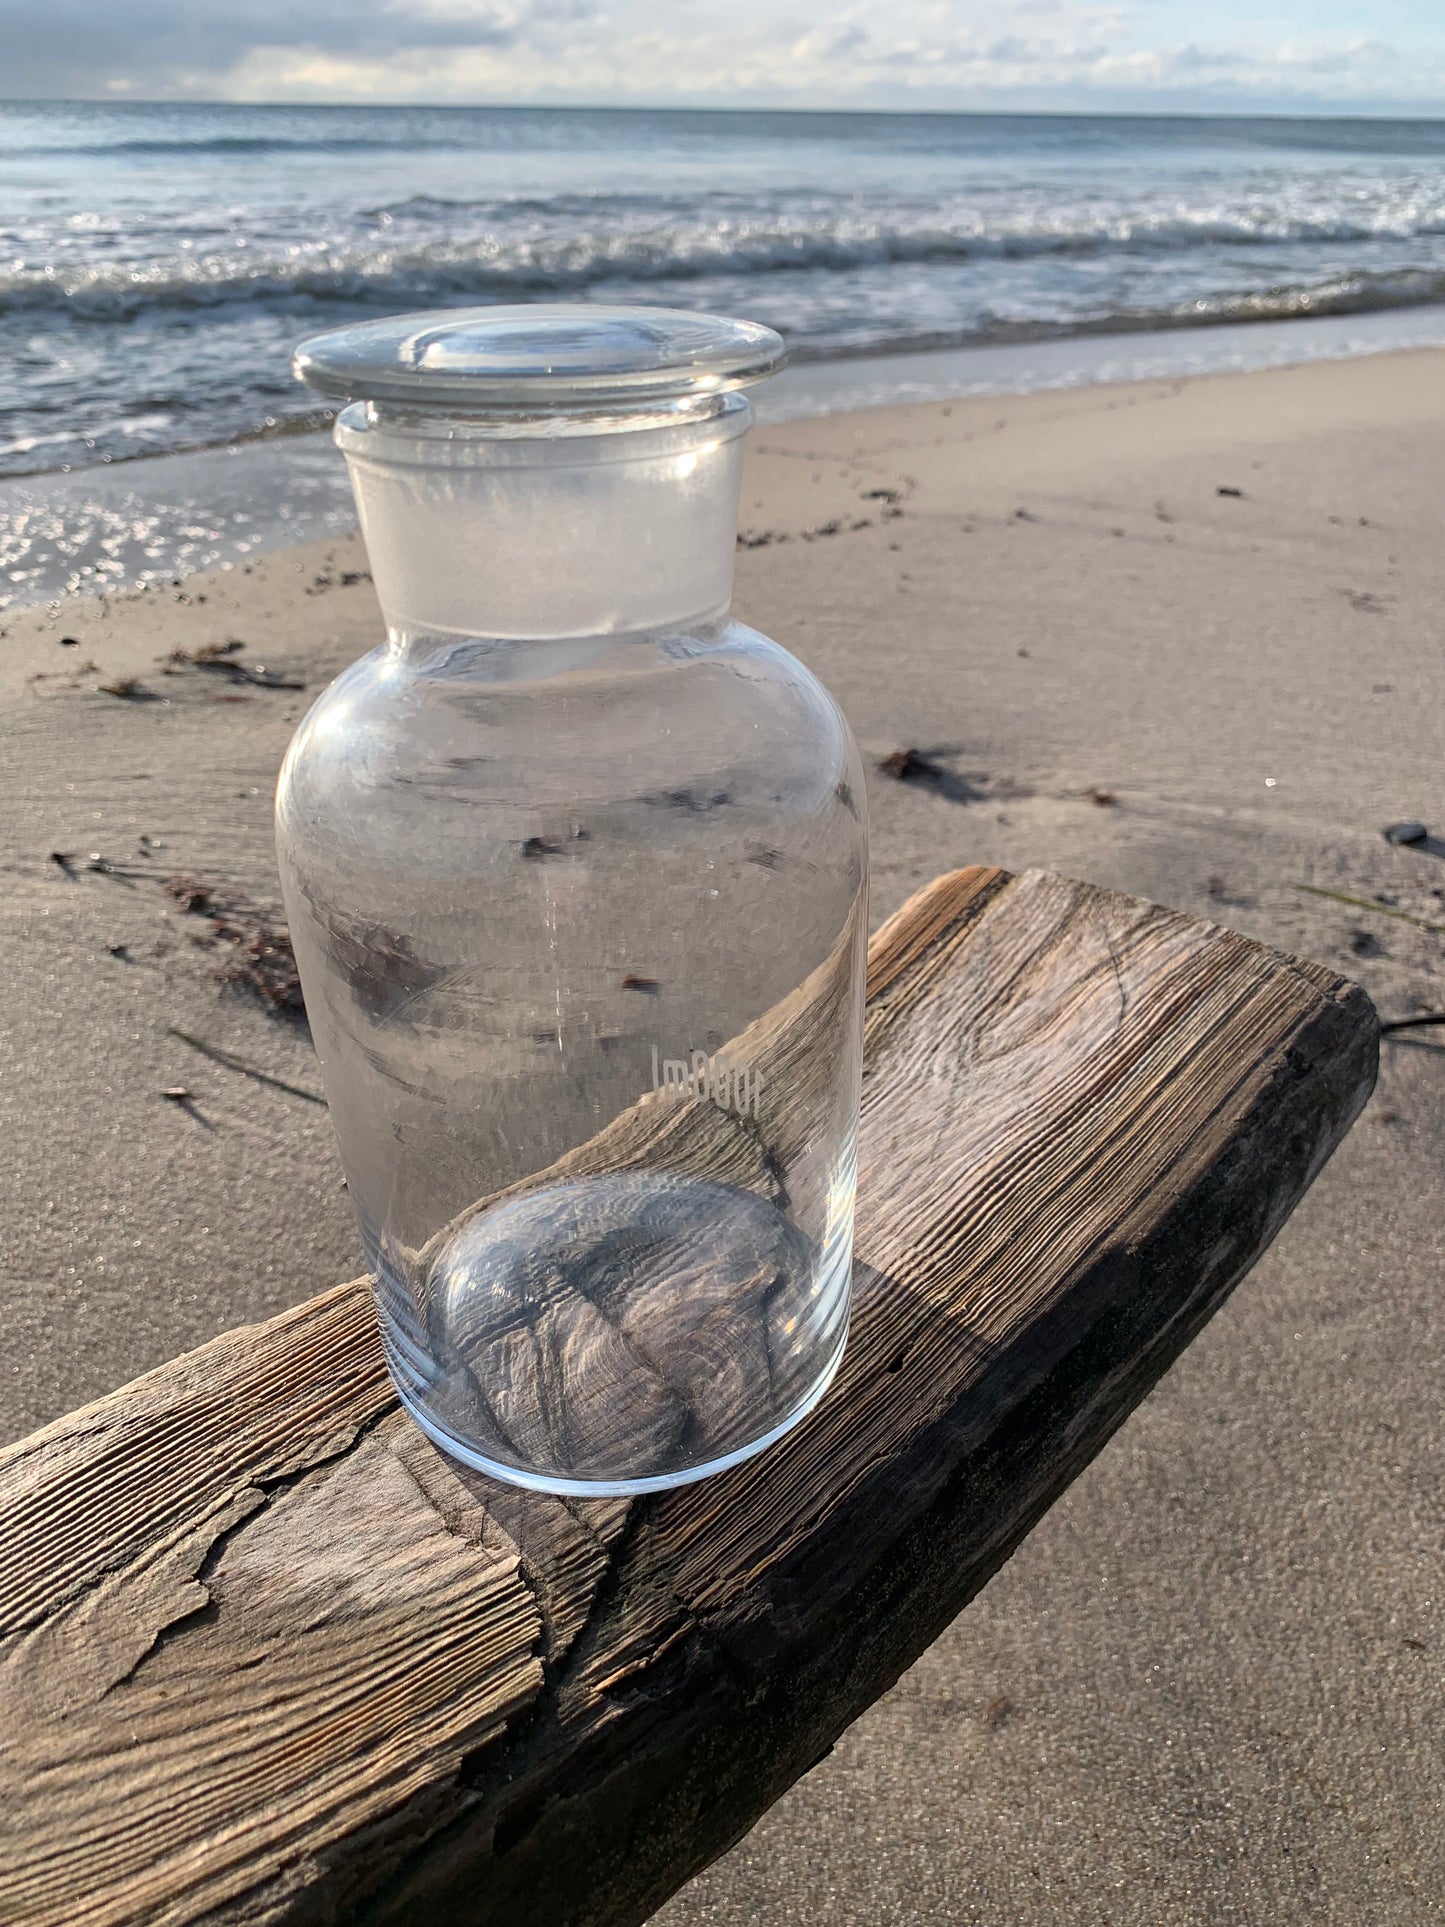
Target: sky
[{"x": 1292, "y": 56}]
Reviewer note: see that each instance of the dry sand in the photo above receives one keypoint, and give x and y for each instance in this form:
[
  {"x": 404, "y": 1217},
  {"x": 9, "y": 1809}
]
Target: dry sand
[{"x": 1209, "y": 1687}]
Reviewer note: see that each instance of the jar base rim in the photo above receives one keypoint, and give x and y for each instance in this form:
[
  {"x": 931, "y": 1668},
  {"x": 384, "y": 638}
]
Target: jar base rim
[{"x": 532, "y": 1481}]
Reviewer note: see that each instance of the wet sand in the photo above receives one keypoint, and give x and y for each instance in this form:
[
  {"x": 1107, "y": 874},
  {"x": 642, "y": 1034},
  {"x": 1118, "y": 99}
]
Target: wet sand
[{"x": 1182, "y": 638}]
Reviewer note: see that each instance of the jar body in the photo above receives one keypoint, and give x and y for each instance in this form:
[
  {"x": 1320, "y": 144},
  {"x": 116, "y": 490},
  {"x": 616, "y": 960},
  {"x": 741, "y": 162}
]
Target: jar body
[{"x": 581, "y": 922}]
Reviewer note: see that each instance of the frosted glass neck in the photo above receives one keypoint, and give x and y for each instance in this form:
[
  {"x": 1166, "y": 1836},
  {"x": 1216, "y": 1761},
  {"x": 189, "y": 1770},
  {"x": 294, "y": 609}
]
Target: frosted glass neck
[{"x": 536, "y": 528}]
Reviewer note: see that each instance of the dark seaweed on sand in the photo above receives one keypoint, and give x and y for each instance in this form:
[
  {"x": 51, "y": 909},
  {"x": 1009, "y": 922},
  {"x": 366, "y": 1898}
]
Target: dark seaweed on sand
[{"x": 254, "y": 944}]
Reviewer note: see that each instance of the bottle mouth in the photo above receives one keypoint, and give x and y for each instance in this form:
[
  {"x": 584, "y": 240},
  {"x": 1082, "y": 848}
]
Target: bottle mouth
[
  {"x": 487, "y": 436},
  {"x": 545, "y": 473}
]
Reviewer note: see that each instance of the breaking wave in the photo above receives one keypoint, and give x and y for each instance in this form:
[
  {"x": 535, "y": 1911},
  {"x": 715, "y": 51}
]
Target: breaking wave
[
  {"x": 157, "y": 263},
  {"x": 491, "y": 265}
]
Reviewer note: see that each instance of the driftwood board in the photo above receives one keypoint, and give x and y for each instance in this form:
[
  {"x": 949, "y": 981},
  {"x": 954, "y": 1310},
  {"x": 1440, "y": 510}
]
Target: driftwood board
[{"x": 265, "y": 1656}]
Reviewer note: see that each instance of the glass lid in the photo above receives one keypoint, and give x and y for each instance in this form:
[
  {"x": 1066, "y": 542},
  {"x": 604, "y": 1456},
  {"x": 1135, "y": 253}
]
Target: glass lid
[{"x": 543, "y": 355}]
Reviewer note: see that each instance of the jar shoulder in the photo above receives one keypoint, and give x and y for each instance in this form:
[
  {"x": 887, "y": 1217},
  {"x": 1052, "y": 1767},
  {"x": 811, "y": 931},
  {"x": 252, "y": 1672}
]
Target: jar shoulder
[{"x": 725, "y": 713}]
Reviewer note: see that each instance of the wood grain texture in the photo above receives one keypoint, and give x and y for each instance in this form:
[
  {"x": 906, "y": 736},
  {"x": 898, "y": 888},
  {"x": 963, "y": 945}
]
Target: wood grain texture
[{"x": 266, "y": 1657}]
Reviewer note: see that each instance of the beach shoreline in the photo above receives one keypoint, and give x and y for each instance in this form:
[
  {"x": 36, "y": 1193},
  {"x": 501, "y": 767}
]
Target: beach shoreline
[
  {"x": 113, "y": 526},
  {"x": 1179, "y": 636}
]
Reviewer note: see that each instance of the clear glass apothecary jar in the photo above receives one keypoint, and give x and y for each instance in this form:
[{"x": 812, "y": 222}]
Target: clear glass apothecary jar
[{"x": 576, "y": 873}]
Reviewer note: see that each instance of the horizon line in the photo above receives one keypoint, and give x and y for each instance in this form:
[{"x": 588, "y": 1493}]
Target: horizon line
[{"x": 1322, "y": 111}]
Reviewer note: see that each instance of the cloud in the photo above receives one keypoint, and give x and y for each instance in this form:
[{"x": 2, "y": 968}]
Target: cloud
[
  {"x": 1193, "y": 59},
  {"x": 1013, "y": 49},
  {"x": 152, "y": 47},
  {"x": 1358, "y": 54},
  {"x": 888, "y": 53},
  {"x": 831, "y": 43},
  {"x": 476, "y": 23}
]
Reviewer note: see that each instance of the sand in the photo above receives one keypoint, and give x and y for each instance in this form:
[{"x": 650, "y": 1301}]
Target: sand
[{"x": 1209, "y": 1687}]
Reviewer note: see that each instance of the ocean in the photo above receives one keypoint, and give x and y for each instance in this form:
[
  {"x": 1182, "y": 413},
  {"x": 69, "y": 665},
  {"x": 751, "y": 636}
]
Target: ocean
[{"x": 157, "y": 262}]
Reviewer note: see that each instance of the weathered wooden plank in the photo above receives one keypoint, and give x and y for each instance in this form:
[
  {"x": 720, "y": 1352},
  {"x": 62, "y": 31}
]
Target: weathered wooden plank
[{"x": 265, "y": 1656}]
